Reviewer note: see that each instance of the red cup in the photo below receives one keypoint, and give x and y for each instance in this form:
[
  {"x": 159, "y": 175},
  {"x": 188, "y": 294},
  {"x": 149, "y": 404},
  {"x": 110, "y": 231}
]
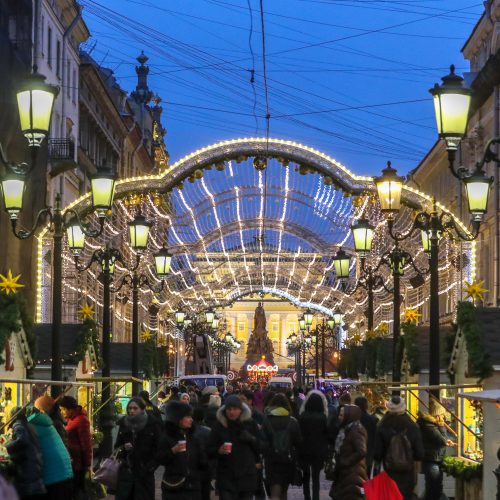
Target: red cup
[
  {"x": 227, "y": 447},
  {"x": 183, "y": 445}
]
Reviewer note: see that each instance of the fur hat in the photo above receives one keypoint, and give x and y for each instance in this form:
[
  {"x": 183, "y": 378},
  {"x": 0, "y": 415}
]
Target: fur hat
[
  {"x": 214, "y": 400},
  {"x": 176, "y": 411},
  {"x": 233, "y": 401},
  {"x": 396, "y": 405},
  {"x": 44, "y": 403}
]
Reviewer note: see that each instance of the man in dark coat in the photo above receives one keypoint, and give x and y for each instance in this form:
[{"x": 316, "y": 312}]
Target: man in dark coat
[
  {"x": 182, "y": 453},
  {"x": 79, "y": 442},
  {"x": 396, "y": 421},
  {"x": 435, "y": 440},
  {"x": 236, "y": 442},
  {"x": 26, "y": 455},
  {"x": 369, "y": 422}
]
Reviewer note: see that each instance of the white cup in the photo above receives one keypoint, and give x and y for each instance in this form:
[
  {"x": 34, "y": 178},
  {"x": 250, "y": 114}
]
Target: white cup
[
  {"x": 183, "y": 445},
  {"x": 227, "y": 447}
]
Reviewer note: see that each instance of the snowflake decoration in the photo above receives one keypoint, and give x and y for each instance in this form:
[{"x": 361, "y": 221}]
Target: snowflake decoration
[{"x": 9, "y": 284}]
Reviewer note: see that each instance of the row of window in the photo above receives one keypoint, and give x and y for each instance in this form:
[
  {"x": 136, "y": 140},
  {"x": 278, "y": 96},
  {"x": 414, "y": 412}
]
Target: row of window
[{"x": 46, "y": 42}]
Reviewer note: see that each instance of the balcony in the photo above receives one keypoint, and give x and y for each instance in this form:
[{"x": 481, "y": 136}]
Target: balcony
[
  {"x": 61, "y": 149},
  {"x": 61, "y": 154}
]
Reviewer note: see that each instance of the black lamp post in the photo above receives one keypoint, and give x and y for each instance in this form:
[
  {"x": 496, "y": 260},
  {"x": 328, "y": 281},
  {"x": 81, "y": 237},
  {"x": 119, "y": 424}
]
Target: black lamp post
[{"x": 432, "y": 225}]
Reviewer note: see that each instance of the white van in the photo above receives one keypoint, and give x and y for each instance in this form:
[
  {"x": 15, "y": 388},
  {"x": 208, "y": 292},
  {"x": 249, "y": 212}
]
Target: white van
[
  {"x": 281, "y": 383},
  {"x": 203, "y": 380}
]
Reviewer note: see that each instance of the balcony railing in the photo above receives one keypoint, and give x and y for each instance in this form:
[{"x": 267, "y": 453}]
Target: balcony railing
[{"x": 61, "y": 149}]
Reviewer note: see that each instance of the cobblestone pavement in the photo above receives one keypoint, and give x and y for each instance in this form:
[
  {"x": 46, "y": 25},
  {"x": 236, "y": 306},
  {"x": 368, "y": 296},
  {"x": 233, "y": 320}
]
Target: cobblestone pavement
[{"x": 294, "y": 493}]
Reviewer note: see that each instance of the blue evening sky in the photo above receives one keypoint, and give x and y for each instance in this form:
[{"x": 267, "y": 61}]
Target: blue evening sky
[{"x": 349, "y": 77}]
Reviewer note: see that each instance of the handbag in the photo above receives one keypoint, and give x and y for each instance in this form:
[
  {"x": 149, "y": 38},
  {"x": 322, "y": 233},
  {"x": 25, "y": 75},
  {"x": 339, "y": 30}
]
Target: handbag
[
  {"x": 173, "y": 483},
  {"x": 107, "y": 473},
  {"x": 381, "y": 487}
]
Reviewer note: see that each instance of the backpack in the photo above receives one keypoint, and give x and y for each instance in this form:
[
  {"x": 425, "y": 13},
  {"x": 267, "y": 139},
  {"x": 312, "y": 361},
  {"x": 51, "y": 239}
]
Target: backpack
[
  {"x": 399, "y": 454},
  {"x": 281, "y": 445}
]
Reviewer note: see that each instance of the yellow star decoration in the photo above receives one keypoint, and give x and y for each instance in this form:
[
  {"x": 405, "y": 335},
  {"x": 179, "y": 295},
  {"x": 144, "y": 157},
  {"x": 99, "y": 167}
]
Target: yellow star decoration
[
  {"x": 9, "y": 284},
  {"x": 371, "y": 334},
  {"x": 473, "y": 290},
  {"x": 86, "y": 311},
  {"x": 354, "y": 339},
  {"x": 382, "y": 329},
  {"x": 411, "y": 315},
  {"x": 146, "y": 335}
]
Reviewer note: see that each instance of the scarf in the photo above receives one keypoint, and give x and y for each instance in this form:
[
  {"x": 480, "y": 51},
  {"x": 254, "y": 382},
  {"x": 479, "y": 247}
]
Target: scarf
[
  {"x": 137, "y": 422},
  {"x": 342, "y": 434}
]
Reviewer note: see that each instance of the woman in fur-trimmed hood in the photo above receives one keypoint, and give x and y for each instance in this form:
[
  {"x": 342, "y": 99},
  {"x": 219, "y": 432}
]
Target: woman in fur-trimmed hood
[
  {"x": 313, "y": 421},
  {"x": 236, "y": 471}
]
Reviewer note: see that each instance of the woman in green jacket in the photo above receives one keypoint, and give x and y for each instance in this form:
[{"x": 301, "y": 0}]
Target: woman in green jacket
[{"x": 57, "y": 471}]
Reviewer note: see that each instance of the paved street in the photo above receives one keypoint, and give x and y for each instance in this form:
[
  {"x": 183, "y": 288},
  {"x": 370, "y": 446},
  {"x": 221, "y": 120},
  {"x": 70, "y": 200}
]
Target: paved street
[{"x": 294, "y": 493}]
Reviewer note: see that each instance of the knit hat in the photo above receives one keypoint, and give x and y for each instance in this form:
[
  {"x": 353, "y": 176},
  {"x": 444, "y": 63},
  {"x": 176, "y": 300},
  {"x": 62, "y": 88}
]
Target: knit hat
[
  {"x": 435, "y": 409},
  {"x": 396, "y": 405},
  {"x": 44, "y": 403},
  {"x": 214, "y": 400},
  {"x": 176, "y": 411},
  {"x": 233, "y": 401},
  {"x": 210, "y": 389}
]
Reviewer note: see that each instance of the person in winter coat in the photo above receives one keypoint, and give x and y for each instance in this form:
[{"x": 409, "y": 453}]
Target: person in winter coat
[
  {"x": 369, "y": 422},
  {"x": 236, "y": 442},
  {"x": 137, "y": 440},
  {"x": 57, "y": 471},
  {"x": 350, "y": 453},
  {"x": 283, "y": 435},
  {"x": 395, "y": 422},
  {"x": 211, "y": 408},
  {"x": 202, "y": 432},
  {"x": 435, "y": 440},
  {"x": 26, "y": 455},
  {"x": 182, "y": 454},
  {"x": 79, "y": 442},
  {"x": 47, "y": 405},
  {"x": 313, "y": 419}
]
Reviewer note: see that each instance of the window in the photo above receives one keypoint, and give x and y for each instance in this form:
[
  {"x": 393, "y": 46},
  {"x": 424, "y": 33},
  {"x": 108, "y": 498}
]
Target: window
[
  {"x": 241, "y": 327},
  {"x": 291, "y": 328},
  {"x": 42, "y": 34},
  {"x": 74, "y": 86},
  {"x": 58, "y": 58},
  {"x": 275, "y": 327},
  {"x": 49, "y": 47},
  {"x": 68, "y": 78}
]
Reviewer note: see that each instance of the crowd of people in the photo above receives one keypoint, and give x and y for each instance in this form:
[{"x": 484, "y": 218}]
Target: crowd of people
[
  {"x": 247, "y": 442},
  {"x": 239, "y": 442}
]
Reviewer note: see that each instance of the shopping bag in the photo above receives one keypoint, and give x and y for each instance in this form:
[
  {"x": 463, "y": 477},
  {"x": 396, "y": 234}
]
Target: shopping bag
[
  {"x": 107, "y": 473},
  {"x": 381, "y": 487}
]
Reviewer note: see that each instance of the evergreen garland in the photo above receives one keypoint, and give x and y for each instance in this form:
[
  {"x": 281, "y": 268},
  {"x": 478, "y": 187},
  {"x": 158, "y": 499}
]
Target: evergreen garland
[
  {"x": 410, "y": 343},
  {"x": 479, "y": 359},
  {"x": 348, "y": 363},
  {"x": 14, "y": 317},
  {"x": 149, "y": 359},
  {"x": 371, "y": 348},
  {"x": 463, "y": 469},
  {"x": 87, "y": 336},
  {"x": 382, "y": 363}
]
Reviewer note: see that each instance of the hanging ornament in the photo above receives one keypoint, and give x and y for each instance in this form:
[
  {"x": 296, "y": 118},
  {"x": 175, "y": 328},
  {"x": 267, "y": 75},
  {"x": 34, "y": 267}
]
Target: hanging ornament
[
  {"x": 411, "y": 315},
  {"x": 9, "y": 284},
  {"x": 474, "y": 290},
  {"x": 382, "y": 329},
  {"x": 146, "y": 335},
  {"x": 86, "y": 311}
]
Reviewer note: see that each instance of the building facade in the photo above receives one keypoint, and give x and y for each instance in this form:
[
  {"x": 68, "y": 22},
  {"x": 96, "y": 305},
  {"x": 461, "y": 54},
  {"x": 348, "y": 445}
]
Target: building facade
[{"x": 432, "y": 175}]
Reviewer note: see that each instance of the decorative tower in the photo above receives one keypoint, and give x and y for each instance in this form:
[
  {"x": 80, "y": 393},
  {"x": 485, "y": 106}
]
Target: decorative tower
[
  {"x": 142, "y": 94},
  {"x": 160, "y": 151}
]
